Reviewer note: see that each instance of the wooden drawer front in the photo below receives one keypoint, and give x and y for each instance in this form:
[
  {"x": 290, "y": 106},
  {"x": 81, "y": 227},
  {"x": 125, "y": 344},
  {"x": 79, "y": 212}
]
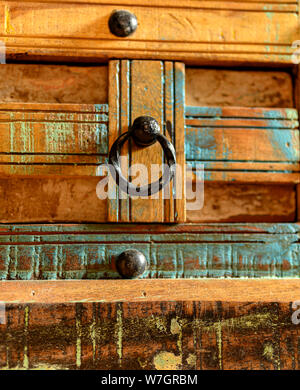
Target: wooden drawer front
[
  {"x": 234, "y": 144},
  {"x": 244, "y": 144},
  {"x": 58, "y": 310},
  {"x": 50, "y": 153},
  {"x": 182, "y": 251},
  {"x": 150, "y": 325},
  {"x": 196, "y": 31},
  {"x": 53, "y": 139}
]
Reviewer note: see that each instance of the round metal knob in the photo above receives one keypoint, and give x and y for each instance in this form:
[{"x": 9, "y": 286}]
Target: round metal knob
[
  {"x": 145, "y": 130},
  {"x": 122, "y": 23},
  {"x": 131, "y": 264}
]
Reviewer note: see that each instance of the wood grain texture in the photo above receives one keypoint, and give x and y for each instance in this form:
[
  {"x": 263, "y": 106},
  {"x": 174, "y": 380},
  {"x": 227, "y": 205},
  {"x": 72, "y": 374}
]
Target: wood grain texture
[
  {"x": 74, "y": 200},
  {"x": 278, "y": 5},
  {"x": 153, "y": 88},
  {"x": 185, "y": 251},
  {"x": 151, "y": 335},
  {"x": 234, "y": 144},
  {"x": 241, "y": 144},
  {"x": 52, "y": 139},
  {"x": 248, "y": 202},
  {"x": 298, "y": 201},
  {"x": 257, "y": 32},
  {"x": 238, "y": 87},
  {"x": 148, "y": 291},
  {"x": 44, "y": 83}
]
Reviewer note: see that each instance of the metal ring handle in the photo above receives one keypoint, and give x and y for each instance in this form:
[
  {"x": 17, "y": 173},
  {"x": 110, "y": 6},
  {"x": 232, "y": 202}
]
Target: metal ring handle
[{"x": 148, "y": 189}]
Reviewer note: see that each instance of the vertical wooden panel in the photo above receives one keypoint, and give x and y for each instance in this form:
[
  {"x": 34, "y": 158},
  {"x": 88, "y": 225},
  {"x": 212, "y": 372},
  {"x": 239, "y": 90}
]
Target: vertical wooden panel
[
  {"x": 114, "y": 128},
  {"x": 174, "y": 103},
  {"x": 297, "y": 102},
  {"x": 153, "y": 88},
  {"x": 147, "y": 99},
  {"x": 180, "y": 212},
  {"x": 169, "y": 132}
]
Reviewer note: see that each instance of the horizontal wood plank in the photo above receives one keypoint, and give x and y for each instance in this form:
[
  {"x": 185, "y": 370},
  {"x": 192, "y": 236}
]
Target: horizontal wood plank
[
  {"x": 69, "y": 30},
  {"x": 234, "y": 143},
  {"x": 53, "y": 83},
  {"x": 245, "y": 202},
  {"x": 237, "y": 86},
  {"x": 71, "y": 291},
  {"x": 243, "y": 144},
  {"x": 74, "y": 200},
  {"x": 277, "y": 5},
  {"x": 157, "y": 335},
  {"x": 62, "y": 252}
]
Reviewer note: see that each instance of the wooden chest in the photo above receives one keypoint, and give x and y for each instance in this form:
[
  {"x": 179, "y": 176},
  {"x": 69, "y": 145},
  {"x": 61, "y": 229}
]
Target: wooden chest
[{"x": 216, "y": 276}]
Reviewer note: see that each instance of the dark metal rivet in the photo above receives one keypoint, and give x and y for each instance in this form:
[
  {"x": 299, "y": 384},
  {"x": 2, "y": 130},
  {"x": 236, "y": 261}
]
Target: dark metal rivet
[
  {"x": 122, "y": 23},
  {"x": 145, "y": 130},
  {"x": 131, "y": 263}
]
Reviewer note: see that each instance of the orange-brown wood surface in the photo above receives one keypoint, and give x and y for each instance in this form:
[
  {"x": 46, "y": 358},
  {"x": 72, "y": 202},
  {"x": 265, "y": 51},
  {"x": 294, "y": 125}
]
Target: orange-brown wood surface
[
  {"x": 49, "y": 154},
  {"x": 259, "y": 330},
  {"x": 230, "y": 31},
  {"x": 69, "y": 291},
  {"x": 153, "y": 88},
  {"x": 150, "y": 335},
  {"x": 298, "y": 202},
  {"x": 75, "y": 200}
]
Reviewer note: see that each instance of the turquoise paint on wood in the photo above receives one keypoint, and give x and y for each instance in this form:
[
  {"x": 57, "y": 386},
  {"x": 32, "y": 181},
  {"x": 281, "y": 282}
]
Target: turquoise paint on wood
[
  {"x": 217, "y": 250},
  {"x": 202, "y": 145},
  {"x": 83, "y": 139},
  {"x": 243, "y": 140}
]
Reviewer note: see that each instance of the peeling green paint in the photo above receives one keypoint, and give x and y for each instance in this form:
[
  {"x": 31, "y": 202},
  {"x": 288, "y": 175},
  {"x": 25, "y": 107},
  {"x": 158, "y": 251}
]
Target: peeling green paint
[
  {"x": 78, "y": 338},
  {"x": 119, "y": 333},
  {"x": 166, "y": 361},
  {"x": 274, "y": 252},
  {"x": 26, "y": 324}
]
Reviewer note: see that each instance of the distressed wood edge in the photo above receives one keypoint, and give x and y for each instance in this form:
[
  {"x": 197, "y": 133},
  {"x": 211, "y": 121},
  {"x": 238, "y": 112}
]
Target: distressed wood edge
[
  {"x": 229, "y": 290},
  {"x": 113, "y": 130},
  {"x": 177, "y": 3},
  {"x": 180, "y": 204},
  {"x": 111, "y": 228},
  {"x": 103, "y": 56}
]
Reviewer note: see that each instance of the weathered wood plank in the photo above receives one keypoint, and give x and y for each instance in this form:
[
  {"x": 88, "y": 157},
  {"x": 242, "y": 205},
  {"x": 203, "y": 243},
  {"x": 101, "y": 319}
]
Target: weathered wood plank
[
  {"x": 238, "y": 87},
  {"x": 73, "y": 253},
  {"x": 290, "y": 114},
  {"x": 57, "y": 200},
  {"x": 174, "y": 120},
  {"x": 147, "y": 78},
  {"x": 44, "y": 83},
  {"x": 260, "y": 33},
  {"x": 52, "y": 139},
  {"x": 74, "y": 199},
  {"x": 244, "y": 144},
  {"x": 157, "y": 334},
  {"x": 277, "y": 5},
  {"x": 71, "y": 139},
  {"x": 251, "y": 202},
  {"x": 205, "y": 143},
  {"x": 148, "y": 291},
  {"x": 156, "y": 89}
]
